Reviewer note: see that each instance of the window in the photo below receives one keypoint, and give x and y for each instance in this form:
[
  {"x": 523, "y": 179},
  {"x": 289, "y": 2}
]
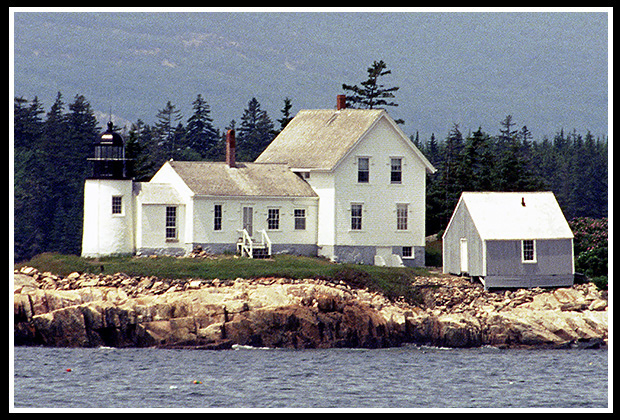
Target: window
[
  {"x": 171, "y": 223},
  {"x": 528, "y": 249},
  {"x": 300, "y": 219},
  {"x": 396, "y": 170},
  {"x": 363, "y": 170},
  {"x": 401, "y": 216},
  {"x": 217, "y": 217},
  {"x": 356, "y": 217},
  {"x": 273, "y": 219},
  {"x": 117, "y": 204},
  {"x": 408, "y": 252}
]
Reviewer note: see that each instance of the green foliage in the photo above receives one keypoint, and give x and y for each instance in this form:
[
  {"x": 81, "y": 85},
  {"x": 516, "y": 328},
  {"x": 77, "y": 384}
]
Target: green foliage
[
  {"x": 591, "y": 248},
  {"x": 255, "y": 132},
  {"x": 51, "y": 161},
  {"x": 371, "y": 94},
  {"x": 573, "y": 167}
]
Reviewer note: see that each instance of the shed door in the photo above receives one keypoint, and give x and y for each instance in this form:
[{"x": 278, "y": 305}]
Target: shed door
[{"x": 464, "y": 266}]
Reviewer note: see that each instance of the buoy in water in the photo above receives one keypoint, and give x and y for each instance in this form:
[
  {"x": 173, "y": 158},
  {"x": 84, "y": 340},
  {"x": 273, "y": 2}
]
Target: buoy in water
[{"x": 68, "y": 369}]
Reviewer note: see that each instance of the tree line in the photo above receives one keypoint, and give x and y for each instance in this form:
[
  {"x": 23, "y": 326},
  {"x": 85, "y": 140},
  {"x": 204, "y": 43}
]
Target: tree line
[
  {"x": 571, "y": 165},
  {"x": 51, "y": 150}
]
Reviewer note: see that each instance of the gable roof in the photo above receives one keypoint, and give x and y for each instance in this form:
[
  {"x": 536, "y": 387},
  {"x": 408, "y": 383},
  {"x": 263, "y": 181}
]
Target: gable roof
[
  {"x": 321, "y": 138},
  {"x": 501, "y": 215},
  {"x": 244, "y": 180},
  {"x": 155, "y": 193}
]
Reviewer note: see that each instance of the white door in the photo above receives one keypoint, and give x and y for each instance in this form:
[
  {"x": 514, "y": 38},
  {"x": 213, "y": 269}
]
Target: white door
[
  {"x": 248, "y": 213},
  {"x": 464, "y": 265}
]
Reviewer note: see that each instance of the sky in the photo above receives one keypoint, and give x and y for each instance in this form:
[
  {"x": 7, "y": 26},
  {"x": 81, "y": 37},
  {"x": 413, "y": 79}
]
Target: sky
[{"x": 548, "y": 69}]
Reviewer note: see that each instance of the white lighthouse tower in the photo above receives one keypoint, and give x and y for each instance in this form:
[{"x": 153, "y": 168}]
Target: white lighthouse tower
[{"x": 108, "y": 200}]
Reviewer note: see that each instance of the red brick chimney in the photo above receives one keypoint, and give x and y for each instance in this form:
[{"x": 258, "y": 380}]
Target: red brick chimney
[
  {"x": 341, "y": 102},
  {"x": 230, "y": 149}
]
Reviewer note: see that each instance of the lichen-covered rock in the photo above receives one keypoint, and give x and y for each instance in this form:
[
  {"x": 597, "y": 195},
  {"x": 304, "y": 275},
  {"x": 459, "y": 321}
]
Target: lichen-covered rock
[{"x": 118, "y": 310}]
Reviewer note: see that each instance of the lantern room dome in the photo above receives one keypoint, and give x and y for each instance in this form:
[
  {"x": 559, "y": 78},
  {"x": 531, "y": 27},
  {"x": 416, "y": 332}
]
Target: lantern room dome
[{"x": 110, "y": 137}]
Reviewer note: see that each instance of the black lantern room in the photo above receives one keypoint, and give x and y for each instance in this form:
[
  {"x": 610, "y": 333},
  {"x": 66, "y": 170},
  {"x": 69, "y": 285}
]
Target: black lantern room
[{"x": 109, "y": 161}]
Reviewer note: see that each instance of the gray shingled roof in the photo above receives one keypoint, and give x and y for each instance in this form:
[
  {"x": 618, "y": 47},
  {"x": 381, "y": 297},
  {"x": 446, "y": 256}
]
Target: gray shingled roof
[
  {"x": 319, "y": 138},
  {"x": 247, "y": 179}
]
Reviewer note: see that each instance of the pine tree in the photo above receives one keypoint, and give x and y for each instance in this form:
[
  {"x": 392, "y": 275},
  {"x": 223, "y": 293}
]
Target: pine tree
[
  {"x": 255, "y": 132},
  {"x": 286, "y": 113},
  {"x": 166, "y": 131},
  {"x": 371, "y": 94},
  {"x": 478, "y": 163},
  {"x": 201, "y": 136},
  {"x": 137, "y": 145},
  {"x": 28, "y": 233}
]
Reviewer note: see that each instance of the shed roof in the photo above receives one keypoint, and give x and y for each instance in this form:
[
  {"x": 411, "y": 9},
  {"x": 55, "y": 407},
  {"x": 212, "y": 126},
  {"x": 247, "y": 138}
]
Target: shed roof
[
  {"x": 246, "y": 179},
  {"x": 320, "y": 138},
  {"x": 502, "y": 215}
]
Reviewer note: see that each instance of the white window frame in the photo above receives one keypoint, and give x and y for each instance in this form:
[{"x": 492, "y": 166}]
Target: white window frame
[
  {"x": 273, "y": 218},
  {"x": 533, "y": 251},
  {"x": 218, "y": 219},
  {"x": 117, "y": 205},
  {"x": 402, "y": 217},
  {"x": 410, "y": 248},
  {"x": 399, "y": 171},
  {"x": 172, "y": 231},
  {"x": 357, "y": 224},
  {"x": 299, "y": 219},
  {"x": 361, "y": 171}
]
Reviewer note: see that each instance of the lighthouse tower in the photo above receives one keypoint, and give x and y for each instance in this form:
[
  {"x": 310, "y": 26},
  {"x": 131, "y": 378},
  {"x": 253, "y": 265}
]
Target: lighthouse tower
[{"x": 108, "y": 199}]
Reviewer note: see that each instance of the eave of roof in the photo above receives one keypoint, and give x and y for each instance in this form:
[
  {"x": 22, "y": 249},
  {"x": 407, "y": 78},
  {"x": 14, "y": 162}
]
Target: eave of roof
[
  {"x": 245, "y": 180},
  {"x": 502, "y": 215}
]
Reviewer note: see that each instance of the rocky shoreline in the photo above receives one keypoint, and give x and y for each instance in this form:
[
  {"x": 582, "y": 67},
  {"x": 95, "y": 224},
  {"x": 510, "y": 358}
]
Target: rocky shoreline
[{"x": 88, "y": 310}]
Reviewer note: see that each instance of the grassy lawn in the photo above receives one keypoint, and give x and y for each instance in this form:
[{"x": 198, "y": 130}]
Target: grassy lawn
[{"x": 393, "y": 282}]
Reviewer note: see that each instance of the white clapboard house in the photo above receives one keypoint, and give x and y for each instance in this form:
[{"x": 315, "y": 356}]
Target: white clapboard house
[
  {"x": 346, "y": 184},
  {"x": 510, "y": 239}
]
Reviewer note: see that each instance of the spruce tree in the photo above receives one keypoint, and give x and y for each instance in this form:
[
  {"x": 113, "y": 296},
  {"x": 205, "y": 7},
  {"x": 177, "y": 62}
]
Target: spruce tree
[
  {"x": 201, "y": 136},
  {"x": 255, "y": 132},
  {"x": 371, "y": 94},
  {"x": 166, "y": 131},
  {"x": 286, "y": 113}
]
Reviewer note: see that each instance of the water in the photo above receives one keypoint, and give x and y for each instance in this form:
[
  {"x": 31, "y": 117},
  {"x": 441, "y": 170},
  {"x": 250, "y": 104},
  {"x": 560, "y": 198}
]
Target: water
[{"x": 404, "y": 377}]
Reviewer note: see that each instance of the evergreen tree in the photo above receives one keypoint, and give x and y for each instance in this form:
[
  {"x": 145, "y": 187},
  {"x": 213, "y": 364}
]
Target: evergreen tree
[
  {"x": 201, "y": 136},
  {"x": 371, "y": 94},
  {"x": 451, "y": 177},
  {"x": 166, "y": 132},
  {"x": 286, "y": 113},
  {"x": 255, "y": 132},
  {"x": 28, "y": 233},
  {"x": 137, "y": 145},
  {"x": 478, "y": 163}
]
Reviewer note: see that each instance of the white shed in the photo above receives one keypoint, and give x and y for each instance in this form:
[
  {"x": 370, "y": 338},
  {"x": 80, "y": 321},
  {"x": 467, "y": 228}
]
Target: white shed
[{"x": 509, "y": 239}]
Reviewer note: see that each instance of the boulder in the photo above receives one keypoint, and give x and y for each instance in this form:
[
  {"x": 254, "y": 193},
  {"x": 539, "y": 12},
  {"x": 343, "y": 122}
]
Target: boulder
[{"x": 121, "y": 311}]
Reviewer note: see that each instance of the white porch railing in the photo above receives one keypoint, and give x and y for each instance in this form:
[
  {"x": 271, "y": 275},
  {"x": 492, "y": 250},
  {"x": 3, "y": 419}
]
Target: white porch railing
[{"x": 248, "y": 245}]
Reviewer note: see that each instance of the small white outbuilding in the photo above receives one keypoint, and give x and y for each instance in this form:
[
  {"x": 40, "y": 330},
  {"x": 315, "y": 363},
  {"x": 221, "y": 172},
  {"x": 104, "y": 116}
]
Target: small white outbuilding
[{"x": 509, "y": 239}]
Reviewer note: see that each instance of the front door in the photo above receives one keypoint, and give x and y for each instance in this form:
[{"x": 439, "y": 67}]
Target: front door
[
  {"x": 248, "y": 213},
  {"x": 464, "y": 265}
]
